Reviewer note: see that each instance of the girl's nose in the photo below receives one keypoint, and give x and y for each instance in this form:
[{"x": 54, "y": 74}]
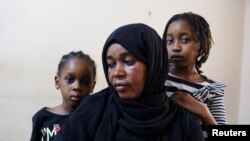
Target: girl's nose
[
  {"x": 77, "y": 85},
  {"x": 176, "y": 46}
]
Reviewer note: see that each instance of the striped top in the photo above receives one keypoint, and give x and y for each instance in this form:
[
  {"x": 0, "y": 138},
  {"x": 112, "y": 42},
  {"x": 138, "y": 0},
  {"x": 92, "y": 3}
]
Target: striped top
[{"x": 209, "y": 92}]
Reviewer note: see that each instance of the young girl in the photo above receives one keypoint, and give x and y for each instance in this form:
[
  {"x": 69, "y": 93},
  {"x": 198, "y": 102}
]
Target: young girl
[
  {"x": 187, "y": 38},
  {"x": 76, "y": 79}
]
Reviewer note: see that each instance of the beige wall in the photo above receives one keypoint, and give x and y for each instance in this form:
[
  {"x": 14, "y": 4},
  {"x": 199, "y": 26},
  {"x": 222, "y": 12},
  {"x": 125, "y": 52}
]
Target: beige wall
[
  {"x": 34, "y": 34},
  {"x": 244, "y": 112}
]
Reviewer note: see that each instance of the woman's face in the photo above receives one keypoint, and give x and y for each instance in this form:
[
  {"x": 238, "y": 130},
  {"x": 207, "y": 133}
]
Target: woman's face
[
  {"x": 126, "y": 73},
  {"x": 181, "y": 44}
]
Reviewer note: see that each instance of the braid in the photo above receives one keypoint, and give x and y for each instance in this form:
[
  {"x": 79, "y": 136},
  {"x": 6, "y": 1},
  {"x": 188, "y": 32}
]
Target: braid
[{"x": 72, "y": 55}]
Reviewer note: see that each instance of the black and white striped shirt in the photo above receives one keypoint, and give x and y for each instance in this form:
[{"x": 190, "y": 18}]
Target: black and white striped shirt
[{"x": 209, "y": 92}]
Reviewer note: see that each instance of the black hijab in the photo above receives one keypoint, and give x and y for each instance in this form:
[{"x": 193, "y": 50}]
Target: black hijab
[{"x": 148, "y": 116}]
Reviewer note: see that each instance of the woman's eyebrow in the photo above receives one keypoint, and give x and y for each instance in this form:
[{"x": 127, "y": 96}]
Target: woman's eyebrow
[{"x": 123, "y": 54}]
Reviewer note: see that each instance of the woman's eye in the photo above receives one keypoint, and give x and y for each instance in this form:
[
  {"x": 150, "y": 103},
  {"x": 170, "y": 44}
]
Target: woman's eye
[
  {"x": 129, "y": 62},
  {"x": 110, "y": 64}
]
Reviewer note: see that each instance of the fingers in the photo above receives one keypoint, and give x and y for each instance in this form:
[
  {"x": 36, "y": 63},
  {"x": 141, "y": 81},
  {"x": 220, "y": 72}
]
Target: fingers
[
  {"x": 188, "y": 102},
  {"x": 182, "y": 98}
]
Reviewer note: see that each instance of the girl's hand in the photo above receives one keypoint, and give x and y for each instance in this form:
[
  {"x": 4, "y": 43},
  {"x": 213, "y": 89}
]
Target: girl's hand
[{"x": 186, "y": 101}]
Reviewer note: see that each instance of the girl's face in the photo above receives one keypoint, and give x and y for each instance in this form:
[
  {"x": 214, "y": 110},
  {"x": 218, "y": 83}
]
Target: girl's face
[
  {"x": 181, "y": 44},
  {"x": 75, "y": 82},
  {"x": 125, "y": 72}
]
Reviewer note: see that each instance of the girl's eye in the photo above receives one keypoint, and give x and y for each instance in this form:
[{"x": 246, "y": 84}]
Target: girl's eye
[
  {"x": 169, "y": 41},
  {"x": 185, "y": 40},
  {"x": 69, "y": 80},
  {"x": 86, "y": 82}
]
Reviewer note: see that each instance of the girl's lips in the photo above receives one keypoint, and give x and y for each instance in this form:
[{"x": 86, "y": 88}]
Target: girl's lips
[
  {"x": 75, "y": 98},
  {"x": 176, "y": 58}
]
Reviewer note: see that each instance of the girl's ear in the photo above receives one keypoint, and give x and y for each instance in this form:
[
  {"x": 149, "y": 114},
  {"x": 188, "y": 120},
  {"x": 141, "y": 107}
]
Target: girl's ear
[
  {"x": 93, "y": 86},
  {"x": 57, "y": 82},
  {"x": 197, "y": 49}
]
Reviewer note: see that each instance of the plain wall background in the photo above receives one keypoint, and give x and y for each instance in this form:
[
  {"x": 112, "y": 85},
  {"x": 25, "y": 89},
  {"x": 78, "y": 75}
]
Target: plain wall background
[
  {"x": 34, "y": 34},
  {"x": 244, "y": 112}
]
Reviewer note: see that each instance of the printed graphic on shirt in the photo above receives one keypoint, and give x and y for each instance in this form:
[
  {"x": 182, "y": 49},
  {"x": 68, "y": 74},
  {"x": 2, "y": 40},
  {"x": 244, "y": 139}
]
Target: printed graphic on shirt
[{"x": 48, "y": 134}]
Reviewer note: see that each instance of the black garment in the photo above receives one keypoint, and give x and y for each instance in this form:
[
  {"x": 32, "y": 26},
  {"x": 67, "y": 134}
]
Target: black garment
[
  {"x": 46, "y": 125},
  {"x": 95, "y": 120},
  {"x": 151, "y": 117}
]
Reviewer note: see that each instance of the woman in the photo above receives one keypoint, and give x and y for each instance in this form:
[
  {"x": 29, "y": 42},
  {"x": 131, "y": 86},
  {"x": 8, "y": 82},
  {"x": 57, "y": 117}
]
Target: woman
[{"x": 134, "y": 107}]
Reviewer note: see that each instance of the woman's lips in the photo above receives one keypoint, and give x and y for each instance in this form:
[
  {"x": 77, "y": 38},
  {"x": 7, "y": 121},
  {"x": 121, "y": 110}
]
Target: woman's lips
[{"x": 120, "y": 87}]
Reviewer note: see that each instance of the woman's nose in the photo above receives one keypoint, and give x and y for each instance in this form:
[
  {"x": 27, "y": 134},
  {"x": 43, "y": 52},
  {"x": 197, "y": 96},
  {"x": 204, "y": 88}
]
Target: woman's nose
[{"x": 119, "y": 70}]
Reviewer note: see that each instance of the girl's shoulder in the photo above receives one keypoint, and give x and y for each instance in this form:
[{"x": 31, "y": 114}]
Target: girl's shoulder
[
  {"x": 213, "y": 88},
  {"x": 92, "y": 104},
  {"x": 43, "y": 113},
  {"x": 40, "y": 113},
  {"x": 212, "y": 83}
]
